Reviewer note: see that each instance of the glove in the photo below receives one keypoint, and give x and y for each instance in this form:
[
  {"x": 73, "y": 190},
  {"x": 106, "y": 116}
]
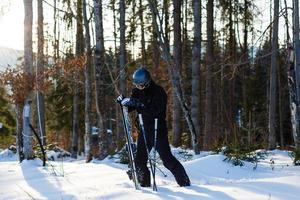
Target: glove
[
  {"x": 132, "y": 102},
  {"x": 120, "y": 98},
  {"x": 125, "y": 101}
]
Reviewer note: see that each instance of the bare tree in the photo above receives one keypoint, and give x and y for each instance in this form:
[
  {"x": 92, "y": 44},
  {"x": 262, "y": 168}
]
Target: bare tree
[
  {"x": 196, "y": 65},
  {"x": 208, "y": 126},
  {"x": 141, "y": 16},
  {"x": 166, "y": 5},
  {"x": 297, "y": 69},
  {"x": 87, "y": 87},
  {"x": 28, "y": 69},
  {"x": 122, "y": 56},
  {"x": 177, "y": 54},
  {"x": 79, "y": 52},
  {"x": 122, "y": 63},
  {"x": 40, "y": 74},
  {"x": 174, "y": 74},
  {"x": 273, "y": 79},
  {"x": 99, "y": 55}
]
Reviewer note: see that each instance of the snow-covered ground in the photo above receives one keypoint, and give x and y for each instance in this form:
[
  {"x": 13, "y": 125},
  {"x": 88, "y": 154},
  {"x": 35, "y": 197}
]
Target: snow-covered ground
[{"x": 211, "y": 177}]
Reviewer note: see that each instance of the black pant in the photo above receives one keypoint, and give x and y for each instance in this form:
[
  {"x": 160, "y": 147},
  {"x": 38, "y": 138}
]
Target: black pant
[{"x": 164, "y": 151}]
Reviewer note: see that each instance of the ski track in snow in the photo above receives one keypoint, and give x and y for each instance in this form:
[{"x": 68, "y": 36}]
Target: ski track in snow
[{"x": 211, "y": 178}]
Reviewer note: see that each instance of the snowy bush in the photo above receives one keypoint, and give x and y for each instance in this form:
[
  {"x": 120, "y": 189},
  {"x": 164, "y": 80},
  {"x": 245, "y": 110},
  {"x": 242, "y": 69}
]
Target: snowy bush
[
  {"x": 13, "y": 148},
  {"x": 182, "y": 154},
  {"x": 7, "y": 155},
  {"x": 296, "y": 155},
  {"x": 54, "y": 152},
  {"x": 237, "y": 156},
  {"x": 123, "y": 154}
]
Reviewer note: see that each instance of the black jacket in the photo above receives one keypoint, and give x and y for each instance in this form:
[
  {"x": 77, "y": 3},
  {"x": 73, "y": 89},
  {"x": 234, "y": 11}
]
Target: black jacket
[{"x": 154, "y": 98}]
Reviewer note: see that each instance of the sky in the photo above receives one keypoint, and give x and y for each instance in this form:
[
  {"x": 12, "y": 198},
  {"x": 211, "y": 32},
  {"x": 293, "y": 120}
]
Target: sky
[{"x": 12, "y": 23}]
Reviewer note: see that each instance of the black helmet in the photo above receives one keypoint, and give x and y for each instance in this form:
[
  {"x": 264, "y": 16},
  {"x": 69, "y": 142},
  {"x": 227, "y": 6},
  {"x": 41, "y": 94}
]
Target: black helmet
[{"x": 141, "y": 78}]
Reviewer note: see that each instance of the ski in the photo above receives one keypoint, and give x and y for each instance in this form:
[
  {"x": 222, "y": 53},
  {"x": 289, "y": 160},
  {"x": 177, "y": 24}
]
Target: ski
[{"x": 129, "y": 142}]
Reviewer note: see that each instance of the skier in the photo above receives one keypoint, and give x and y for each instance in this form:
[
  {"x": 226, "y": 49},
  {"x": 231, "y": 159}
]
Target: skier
[{"x": 150, "y": 100}]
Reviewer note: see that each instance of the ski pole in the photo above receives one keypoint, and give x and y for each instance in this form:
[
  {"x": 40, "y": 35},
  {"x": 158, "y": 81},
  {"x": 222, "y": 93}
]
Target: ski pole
[
  {"x": 40, "y": 143},
  {"x": 163, "y": 173},
  {"x": 130, "y": 152},
  {"x": 146, "y": 146},
  {"x": 154, "y": 148}
]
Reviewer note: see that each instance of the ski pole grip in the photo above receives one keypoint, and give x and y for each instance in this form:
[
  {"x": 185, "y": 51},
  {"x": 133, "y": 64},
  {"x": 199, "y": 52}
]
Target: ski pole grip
[
  {"x": 141, "y": 119},
  {"x": 155, "y": 123}
]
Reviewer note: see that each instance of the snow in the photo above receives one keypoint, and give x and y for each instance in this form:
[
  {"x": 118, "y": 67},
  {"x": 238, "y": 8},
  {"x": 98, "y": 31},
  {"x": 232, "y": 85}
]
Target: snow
[{"x": 274, "y": 178}]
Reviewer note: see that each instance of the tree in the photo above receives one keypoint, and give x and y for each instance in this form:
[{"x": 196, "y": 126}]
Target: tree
[
  {"x": 87, "y": 87},
  {"x": 196, "y": 64},
  {"x": 40, "y": 74},
  {"x": 122, "y": 61},
  {"x": 229, "y": 11},
  {"x": 7, "y": 127},
  {"x": 79, "y": 48},
  {"x": 273, "y": 79},
  {"x": 143, "y": 46},
  {"x": 28, "y": 70},
  {"x": 99, "y": 55},
  {"x": 173, "y": 73},
  {"x": 166, "y": 5},
  {"x": 208, "y": 126},
  {"x": 297, "y": 69},
  {"x": 177, "y": 54},
  {"x": 122, "y": 56}
]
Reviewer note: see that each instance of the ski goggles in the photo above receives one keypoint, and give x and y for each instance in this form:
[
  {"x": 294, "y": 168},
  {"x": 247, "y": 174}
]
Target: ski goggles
[{"x": 139, "y": 86}]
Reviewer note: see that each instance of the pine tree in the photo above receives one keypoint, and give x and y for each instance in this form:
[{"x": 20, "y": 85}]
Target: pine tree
[{"x": 7, "y": 121}]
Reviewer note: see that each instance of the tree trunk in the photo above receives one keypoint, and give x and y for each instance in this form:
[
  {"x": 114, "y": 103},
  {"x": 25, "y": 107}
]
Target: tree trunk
[
  {"x": 118, "y": 135},
  {"x": 196, "y": 65},
  {"x": 122, "y": 48},
  {"x": 19, "y": 141},
  {"x": 280, "y": 107},
  {"x": 155, "y": 46},
  {"x": 122, "y": 63},
  {"x": 40, "y": 74},
  {"x": 166, "y": 5},
  {"x": 175, "y": 77},
  {"x": 99, "y": 55},
  {"x": 297, "y": 68},
  {"x": 141, "y": 16},
  {"x": 79, "y": 52},
  {"x": 245, "y": 72},
  {"x": 28, "y": 69},
  {"x": 273, "y": 79},
  {"x": 208, "y": 126},
  {"x": 87, "y": 87},
  {"x": 177, "y": 55},
  {"x": 286, "y": 21},
  {"x": 56, "y": 30}
]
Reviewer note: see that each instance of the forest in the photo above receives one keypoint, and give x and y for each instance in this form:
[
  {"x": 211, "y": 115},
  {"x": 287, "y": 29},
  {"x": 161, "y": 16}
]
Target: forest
[{"x": 231, "y": 70}]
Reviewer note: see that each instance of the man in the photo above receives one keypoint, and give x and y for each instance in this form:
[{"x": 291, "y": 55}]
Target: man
[{"x": 150, "y": 100}]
